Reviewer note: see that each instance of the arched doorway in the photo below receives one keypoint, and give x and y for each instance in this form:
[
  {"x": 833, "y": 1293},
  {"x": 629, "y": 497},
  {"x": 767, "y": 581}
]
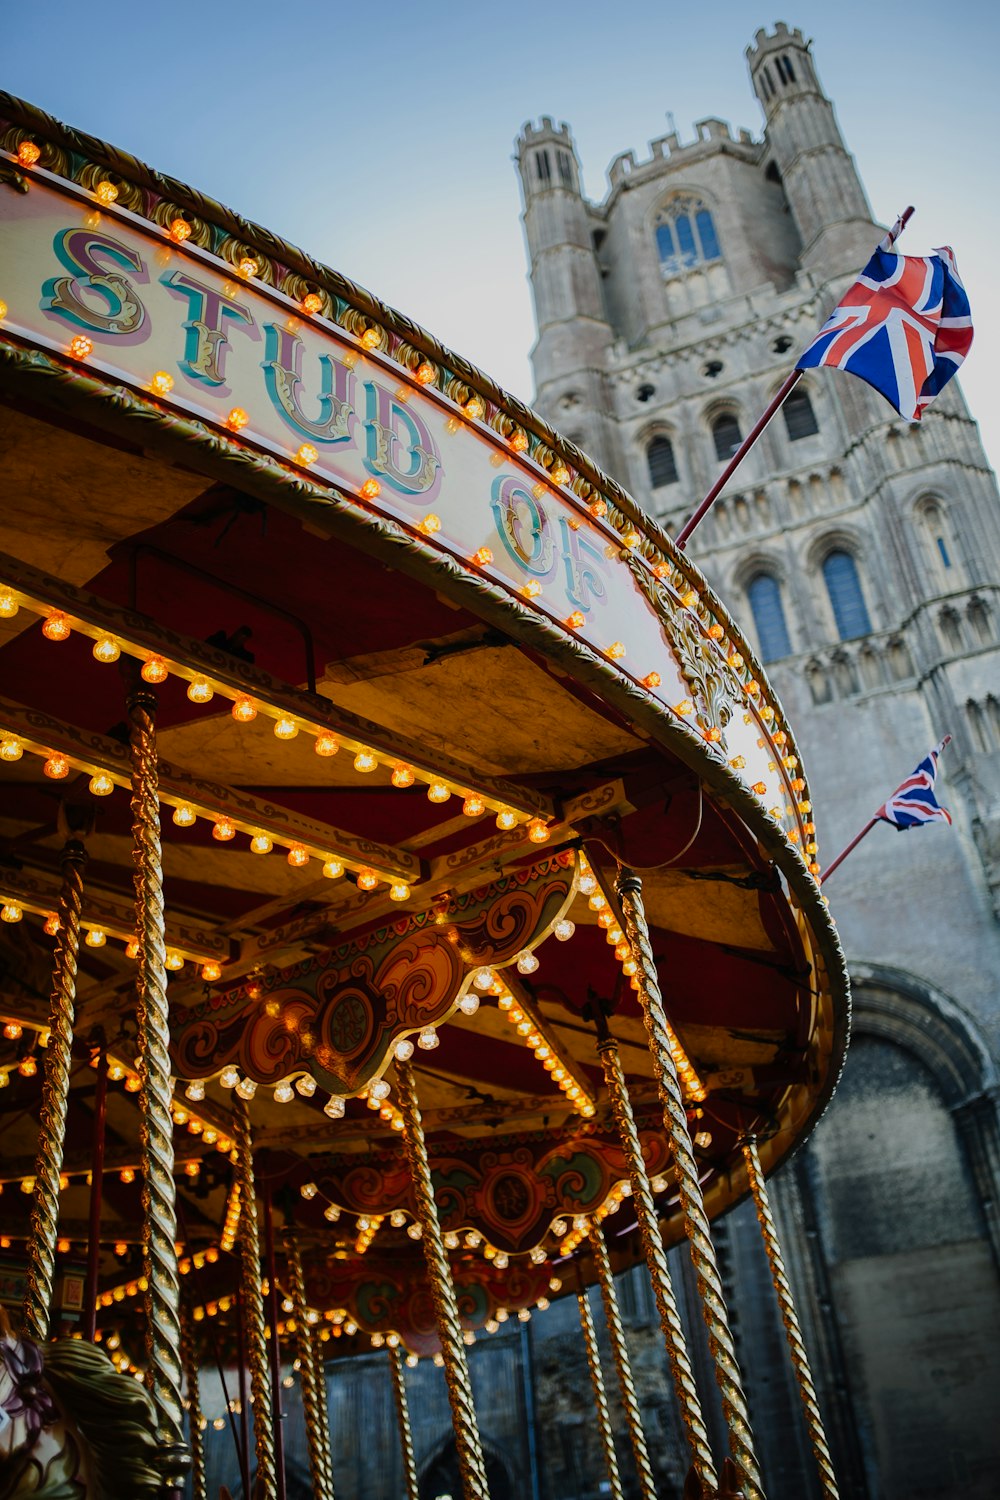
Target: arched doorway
[
  {"x": 441, "y": 1479},
  {"x": 896, "y": 1201}
]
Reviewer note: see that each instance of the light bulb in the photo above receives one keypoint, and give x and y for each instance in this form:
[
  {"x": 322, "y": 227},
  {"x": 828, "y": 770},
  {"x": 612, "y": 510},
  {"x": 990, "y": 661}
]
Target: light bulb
[
  {"x": 224, "y": 830},
  {"x": 11, "y": 748},
  {"x": 229, "y": 1077},
  {"x": 237, "y": 419},
  {"x": 297, "y": 856},
  {"x": 399, "y": 891},
  {"x": 402, "y": 776},
  {"x": 482, "y": 557},
  {"x": 365, "y": 761},
  {"x": 334, "y": 1107},
  {"x": 367, "y": 880},
  {"x": 333, "y": 869},
  {"x": 195, "y": 1090},
  {"x": 180, "y": 230},
  {"x": 469, "y": 1003},
  {"x": 371, "y": 338},
  {"x": 95, "y": 938},
  {"x": 285, "y": 729},
  {"x": 184, "y": 816},
  {"x": 106, "y": 649},
  {"x": 154, "y": 669},
  {"x": 261, "y": 844},
  {"x": 538, "y": 832},
  {"x": 11, "y": 912},
  {"x": 430, "y": 525},
  {"x": 527, "y": 963},
  {"x": 56, "y": 627},
  {"x": 244, "y": 709},
  {"x": 305, "y": 1085},
  {"x": 52, "y": 924},
  {"x": 326, "y": 744},
  {"x": 438, "y": 792},
  {"x": 308, "y": 1190},
  {"x": 428, "y": 1039},
  {"x": 173, "y": 961},
  {"x": 311, "y": 303},
  {"x": 473, "y": 806},
  {"x": 404, "y": 1049},
  {"x": 246, "y": 1088},
  {"x": 564, "y": 930},
  {"x": 200, "y": 690},
  {"x": 415, "y": 1231},
  {"x": 283, "y": 1092},
  {"x": 8, "y": 605},
  {"x": 81, "y": 346},
  {"x": 211, "y": 971},
  {"x": 370, "y": 490},
  {"x": 101, "y": 785},
  {"x": 162, "y": 383},
  {"x": 506, "y": 819}
]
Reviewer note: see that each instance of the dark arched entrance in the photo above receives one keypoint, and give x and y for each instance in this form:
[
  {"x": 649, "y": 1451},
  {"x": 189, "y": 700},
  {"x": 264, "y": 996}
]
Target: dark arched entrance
[{"x": 441, "y": 1479}]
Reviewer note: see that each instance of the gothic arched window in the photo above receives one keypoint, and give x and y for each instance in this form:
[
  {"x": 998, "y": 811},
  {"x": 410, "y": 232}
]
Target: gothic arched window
[
  {"x": 850, "y": 612},
  {"x": 661, "y": 461},
  {"x": 764, "y": 594},
  {"x": 685, "y": 234},
  {"x": 726, "y": 436},
  {"x": 800, "y": 419}
]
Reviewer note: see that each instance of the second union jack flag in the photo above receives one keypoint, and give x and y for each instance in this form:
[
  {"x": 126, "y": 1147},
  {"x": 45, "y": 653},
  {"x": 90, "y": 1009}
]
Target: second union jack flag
[
  {"x": 904, "y": 327},
  {"x": 914, "y": 802}
]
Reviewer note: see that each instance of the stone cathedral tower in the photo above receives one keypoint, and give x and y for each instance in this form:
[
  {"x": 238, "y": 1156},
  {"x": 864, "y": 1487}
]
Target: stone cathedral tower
[{"x": 863, "y": 553}]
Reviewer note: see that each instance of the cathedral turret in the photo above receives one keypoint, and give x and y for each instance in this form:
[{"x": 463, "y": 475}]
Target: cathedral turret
[
  {"x": 574, "y": 335},
  {"x": 806, "y": 148}
]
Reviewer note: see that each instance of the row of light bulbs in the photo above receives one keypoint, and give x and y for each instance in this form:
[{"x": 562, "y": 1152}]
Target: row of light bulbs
[
  {"x": 13, "y": 910},
  {"x": 57, "y": 626}
]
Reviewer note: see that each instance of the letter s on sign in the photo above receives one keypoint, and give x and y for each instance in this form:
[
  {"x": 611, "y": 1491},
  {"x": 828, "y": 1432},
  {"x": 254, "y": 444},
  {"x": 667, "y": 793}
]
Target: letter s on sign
[{"x": 96, "y": 296}]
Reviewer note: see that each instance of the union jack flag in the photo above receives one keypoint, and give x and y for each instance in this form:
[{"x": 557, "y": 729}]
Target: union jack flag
[
  {"x": 904, "y": 327},
  {"x": 913, "y": 802}
]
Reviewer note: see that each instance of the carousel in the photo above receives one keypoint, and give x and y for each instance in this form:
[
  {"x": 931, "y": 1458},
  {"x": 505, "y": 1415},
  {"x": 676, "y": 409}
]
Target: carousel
[{"x": 409, "y": 885}]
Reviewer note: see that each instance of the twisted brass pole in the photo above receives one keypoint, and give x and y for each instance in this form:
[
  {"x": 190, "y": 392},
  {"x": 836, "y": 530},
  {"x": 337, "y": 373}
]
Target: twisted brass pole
[
  {"x": 600, "y": 1396},
  {"x": 253, "y": 1305},
  {"x": 323, "y": 1405},
  {"x": 40, "y": 1276},
  {"x": 656, "y": 1260},
  {"x": 159, "y": 1228},
  {"x": 313, "y": 1385},
  {"x": 789, "y": 1317},
  {"x": 720, "y": 1338},
  {"x": 196, "y": 1440},
  {"x": 619, "y": 1350},
  {"x": 405, "y": 1431},
  {"x": 463, "y": 1412}
]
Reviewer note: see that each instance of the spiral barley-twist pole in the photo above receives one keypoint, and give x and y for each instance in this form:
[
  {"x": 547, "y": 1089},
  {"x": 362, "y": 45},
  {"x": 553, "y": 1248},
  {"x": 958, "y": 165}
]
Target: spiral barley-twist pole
[
  {"x": 456, "y": 1368},
  {"x": 720, "y": 1338},
  {"x": 789, "y": 1317},
  {"x": 600, "y": 1396},
  {"x": 313, "y": 1381},
  {"x": 656, "y": 1260},
  {"x": 40, "y": 1274},
  {"x": 403, "y": 1420},
  {"x": 196, "y": 1437},
  {"x": 162, "y": 1296},
  {"x": 619, "y": 1350},
  {"x": 253, "y": 1306}
]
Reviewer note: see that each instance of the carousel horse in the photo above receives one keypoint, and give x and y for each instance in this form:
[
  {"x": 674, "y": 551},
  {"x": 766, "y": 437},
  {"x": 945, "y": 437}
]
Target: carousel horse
[{"x": 72, "y": 1427}]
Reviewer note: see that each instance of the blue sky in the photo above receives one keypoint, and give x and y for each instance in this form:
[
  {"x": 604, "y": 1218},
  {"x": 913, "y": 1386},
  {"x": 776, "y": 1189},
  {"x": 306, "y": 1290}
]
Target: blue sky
[{"x": 379, "y": 137}]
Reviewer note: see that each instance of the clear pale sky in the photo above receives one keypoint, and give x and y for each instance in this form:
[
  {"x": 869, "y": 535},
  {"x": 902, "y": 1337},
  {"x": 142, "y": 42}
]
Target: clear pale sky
[{"x": 379, "y": 137}]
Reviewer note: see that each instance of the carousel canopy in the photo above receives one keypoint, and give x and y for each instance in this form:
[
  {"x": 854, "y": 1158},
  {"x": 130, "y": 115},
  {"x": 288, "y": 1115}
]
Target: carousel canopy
[{"x": 425, "y": 681}]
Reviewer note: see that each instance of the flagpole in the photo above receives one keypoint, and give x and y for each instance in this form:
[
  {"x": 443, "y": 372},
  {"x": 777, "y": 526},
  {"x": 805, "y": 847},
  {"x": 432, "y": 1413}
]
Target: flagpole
[
  {"x": 855, "y": 841},
  {"x": 780, "y": 397},
  {"x": 737, "y": 458}
]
